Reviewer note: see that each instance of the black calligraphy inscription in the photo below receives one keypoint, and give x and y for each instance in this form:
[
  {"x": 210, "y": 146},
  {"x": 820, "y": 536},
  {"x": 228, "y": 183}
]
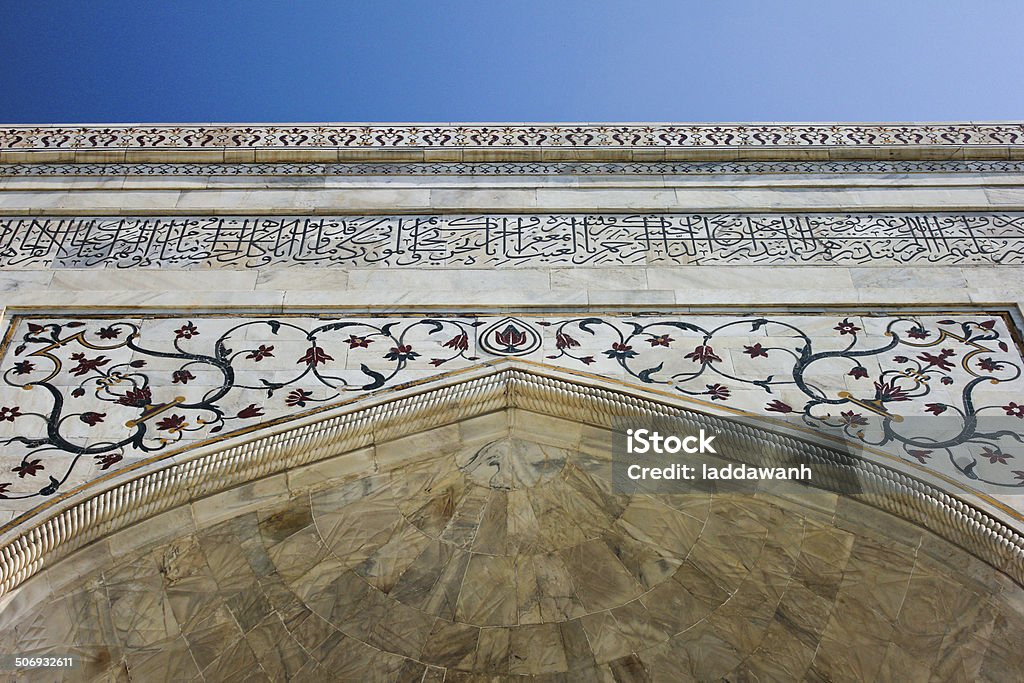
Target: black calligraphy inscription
[{"x": 501, "y": 241}]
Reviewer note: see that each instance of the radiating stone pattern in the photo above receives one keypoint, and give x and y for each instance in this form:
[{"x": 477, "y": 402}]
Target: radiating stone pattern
[
  {"x": 505, "y": 241},
  {"x": 517, "y": 562}
]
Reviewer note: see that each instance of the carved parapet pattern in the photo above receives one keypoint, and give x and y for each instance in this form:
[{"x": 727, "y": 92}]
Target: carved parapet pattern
[{"x": 508, "y": 135}]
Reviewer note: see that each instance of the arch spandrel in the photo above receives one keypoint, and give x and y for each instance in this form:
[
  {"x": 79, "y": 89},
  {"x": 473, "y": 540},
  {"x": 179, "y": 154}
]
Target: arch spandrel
[
  {"x": 84, "y": 397},
  {"x": 438, "y": 558},
  {"x": 386, "y": 429}
]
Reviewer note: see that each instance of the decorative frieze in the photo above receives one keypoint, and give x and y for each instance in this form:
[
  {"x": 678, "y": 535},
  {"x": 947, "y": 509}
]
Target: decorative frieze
[
  {"x": 460, "y": 136},
  {"x": 519, "y": 240},
  {"x": 84, "y": 396},
  {"x": 511, "y": 168}
]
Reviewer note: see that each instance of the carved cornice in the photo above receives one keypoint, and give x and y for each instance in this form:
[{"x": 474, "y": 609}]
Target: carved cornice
[
  {"x": 460, "y": 136},
  {"x": 512, "y": 168},
  {"x": 466, "y": 142}
]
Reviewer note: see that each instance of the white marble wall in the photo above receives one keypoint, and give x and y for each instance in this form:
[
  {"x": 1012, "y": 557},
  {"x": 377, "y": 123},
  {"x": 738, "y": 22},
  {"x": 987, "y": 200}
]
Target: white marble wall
[{"x": 725, "y": 289}]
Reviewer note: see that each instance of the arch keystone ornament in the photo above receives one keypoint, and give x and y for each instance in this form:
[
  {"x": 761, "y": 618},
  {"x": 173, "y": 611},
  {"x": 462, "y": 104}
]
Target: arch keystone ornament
[{"x": 509, "y": 337}]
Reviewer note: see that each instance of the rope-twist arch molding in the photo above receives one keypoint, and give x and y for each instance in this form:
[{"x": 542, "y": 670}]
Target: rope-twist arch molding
[
  {"x": 491, "y": 136},
  {"x": 493, "y": 388}
]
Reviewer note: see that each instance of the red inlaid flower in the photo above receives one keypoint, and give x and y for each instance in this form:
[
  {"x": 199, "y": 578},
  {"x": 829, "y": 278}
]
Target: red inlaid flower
[
  {"x": 1014, "y": 409},
  {"x": 703, "y": 354},
  {"x": 995, "y": 455},
  {"x": 262, "y": 352},
  {"x": 620, "y": 351},
  {"x": 564, "y": 341},
  {"x": 717, "y": 392},
  {"x": 756, "y": 351},
  {"x": 938, "y": 361},
  {"x": 107, "y": 459},
  {"x": 23, "y": 368},
  {"x": 890, "y": 391},
  {"x": 28, "y": 468},
  {"x": 136, "y": 398},
  {"x": 852, "y": 419},
  {"x": 846, "y": 327},
  {"x": 510, "y": 338},
  {"x": 298, "y": 397},
  {"x": 86, "y": 364},
  {"x": 186, "y": 331},
  {"x": 459, "y": 342},
  {"x": 314, "y": 356},
  {"x": 251, "y": 410},
  {"x": 7, "y": 414},
  {"x": 401, "y": 352},
  {"x": 989, "y": 365},
  {"x": 181, "y": 377},
  {"x": 922, "y": 456},
  {"x": 356, "y": 342},
  {"x": 173, "y": 424}
]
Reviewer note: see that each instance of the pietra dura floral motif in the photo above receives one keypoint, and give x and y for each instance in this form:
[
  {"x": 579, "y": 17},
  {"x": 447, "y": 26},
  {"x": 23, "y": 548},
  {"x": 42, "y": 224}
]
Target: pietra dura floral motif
[{"x": 83, "y": 396}]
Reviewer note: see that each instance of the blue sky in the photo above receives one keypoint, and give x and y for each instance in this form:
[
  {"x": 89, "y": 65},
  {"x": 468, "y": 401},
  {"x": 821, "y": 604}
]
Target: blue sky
[{"x": 491, "y": 60}]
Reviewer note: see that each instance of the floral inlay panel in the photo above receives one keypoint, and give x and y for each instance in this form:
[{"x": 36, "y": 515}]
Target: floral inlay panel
[
  {"x": 82, "y": 396},
  {"x": 508, "y": 241}
]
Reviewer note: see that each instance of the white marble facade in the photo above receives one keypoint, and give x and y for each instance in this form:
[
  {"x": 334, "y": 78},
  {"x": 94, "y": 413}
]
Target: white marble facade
[{"x": 166, "y": 292}]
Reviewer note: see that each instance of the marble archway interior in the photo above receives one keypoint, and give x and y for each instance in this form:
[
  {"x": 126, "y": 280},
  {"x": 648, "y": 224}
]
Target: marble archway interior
[{"x": 506, "y": 558}]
